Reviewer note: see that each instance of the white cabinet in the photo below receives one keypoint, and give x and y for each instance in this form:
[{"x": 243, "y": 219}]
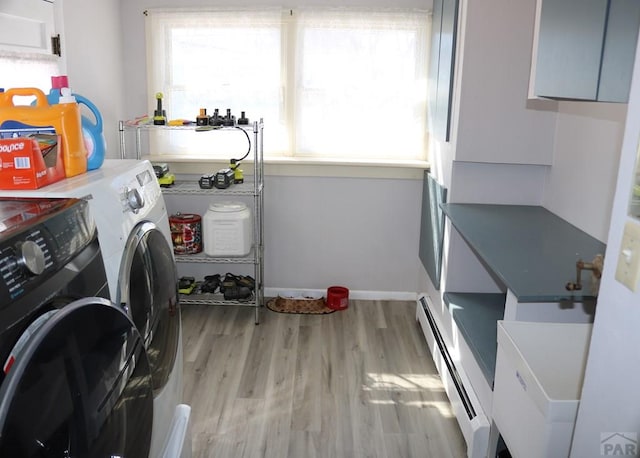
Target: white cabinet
[
  {"x": 584, "y": 49},
  {"x": 27, "y": 26},
  {"x": 186, "y": 191}
]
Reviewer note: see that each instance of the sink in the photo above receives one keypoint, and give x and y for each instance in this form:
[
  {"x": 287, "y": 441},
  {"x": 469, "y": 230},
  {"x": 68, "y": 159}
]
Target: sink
[{"x": 538, "y": 382}]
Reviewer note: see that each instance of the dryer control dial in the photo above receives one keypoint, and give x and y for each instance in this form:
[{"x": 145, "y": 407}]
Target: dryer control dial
[
  {"x": 134, "y": 199},
  {"x": 31, "y": 256}
]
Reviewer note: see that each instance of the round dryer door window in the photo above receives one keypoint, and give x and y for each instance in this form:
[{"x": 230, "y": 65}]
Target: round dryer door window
[
  {"x": 147, "y": 289},
  {"x": 80, "y": 386}
]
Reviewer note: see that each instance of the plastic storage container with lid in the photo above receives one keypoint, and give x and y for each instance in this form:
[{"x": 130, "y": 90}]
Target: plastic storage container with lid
[{"x": 227, "y": 229}]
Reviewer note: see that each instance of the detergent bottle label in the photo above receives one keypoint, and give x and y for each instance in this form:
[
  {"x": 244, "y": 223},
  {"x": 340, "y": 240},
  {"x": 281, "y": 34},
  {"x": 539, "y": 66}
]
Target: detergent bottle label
[
  {"x": 45, "y": 136},
  {"x": 15, "y": 129}
]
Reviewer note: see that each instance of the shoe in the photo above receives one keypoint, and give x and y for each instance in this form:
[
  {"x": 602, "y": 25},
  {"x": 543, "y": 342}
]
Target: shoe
[
  {"x": 237, "y": 293},
  {"x": 229, "y": 282},
  {"x": 247, "y": 281},
  {"x": 186, "y": 285},
  {"x": 210, "y": 284}
]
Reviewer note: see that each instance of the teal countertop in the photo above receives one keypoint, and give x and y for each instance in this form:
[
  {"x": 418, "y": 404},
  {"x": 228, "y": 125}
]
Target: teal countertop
[{"x": 531, "y": 250}]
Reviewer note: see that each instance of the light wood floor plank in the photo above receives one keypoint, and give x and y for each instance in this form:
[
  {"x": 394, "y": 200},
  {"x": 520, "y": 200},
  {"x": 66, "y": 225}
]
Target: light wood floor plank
[
  {"x": 354, "y": 383},
  {"x": 307, "y": 382}
]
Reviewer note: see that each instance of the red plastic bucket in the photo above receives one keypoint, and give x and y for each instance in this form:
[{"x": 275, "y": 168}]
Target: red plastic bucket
[{"x": 337, "y": 297}]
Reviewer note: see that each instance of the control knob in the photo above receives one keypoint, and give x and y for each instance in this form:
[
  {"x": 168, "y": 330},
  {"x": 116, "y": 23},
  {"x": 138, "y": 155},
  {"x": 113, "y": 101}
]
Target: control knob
[
  {"x": 134, "y": 199},
  {"x": 31, "y": 257}
]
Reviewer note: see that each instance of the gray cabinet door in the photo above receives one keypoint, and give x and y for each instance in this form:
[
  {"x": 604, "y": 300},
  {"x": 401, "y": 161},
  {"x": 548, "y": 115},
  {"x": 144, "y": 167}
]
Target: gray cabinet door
[
  {"x": 586, "y": 49},
  {"x": 571, "y": 33},
  {"x": 443, "y": 44},
  {"x": 619, "y": 49}
]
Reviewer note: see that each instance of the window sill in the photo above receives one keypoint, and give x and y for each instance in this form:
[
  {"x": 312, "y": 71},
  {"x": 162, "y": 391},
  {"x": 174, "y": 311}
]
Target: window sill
[{"x": 412, "y": 170}]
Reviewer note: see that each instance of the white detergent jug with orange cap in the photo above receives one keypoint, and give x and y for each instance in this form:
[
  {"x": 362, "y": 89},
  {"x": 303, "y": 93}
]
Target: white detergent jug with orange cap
[{"x": 62, "y": 118}]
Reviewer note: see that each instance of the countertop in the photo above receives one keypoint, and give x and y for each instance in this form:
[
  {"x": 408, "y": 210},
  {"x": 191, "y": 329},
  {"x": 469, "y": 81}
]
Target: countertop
[{"x": 531, "y": 250}]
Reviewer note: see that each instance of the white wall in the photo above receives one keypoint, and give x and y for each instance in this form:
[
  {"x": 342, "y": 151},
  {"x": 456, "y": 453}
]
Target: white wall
[
  {"x": 610, "y": 396},
  {"x": 339, "y": 231},
  {"x": 92, "y": 50},
  {"x": 581, "y": 183}
]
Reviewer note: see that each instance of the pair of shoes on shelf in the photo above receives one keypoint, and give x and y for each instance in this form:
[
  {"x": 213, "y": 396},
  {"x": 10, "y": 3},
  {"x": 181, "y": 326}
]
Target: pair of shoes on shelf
[
  {"x": 211, "y": 283},
  {"x": 231, "y": 280},
  {"x": 237, "y": 287}
]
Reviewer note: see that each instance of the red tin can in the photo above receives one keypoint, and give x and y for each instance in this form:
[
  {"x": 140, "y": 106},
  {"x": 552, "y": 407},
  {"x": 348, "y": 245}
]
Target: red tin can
[{"x": 186, "y": 233}]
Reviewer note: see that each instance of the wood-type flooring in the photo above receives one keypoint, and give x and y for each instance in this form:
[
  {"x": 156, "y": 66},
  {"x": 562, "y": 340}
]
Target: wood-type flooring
[{"x": 355, "y": 383}]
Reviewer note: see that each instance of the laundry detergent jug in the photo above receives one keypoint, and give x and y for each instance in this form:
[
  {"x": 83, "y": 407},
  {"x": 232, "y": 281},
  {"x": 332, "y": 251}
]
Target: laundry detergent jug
[
  {"x": 91, "y": 131},
  {"x": 41, "y": 118}
]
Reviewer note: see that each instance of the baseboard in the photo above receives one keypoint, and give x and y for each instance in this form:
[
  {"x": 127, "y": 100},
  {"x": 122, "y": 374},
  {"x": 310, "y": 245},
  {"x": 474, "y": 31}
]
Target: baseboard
[{"x": 353, "y": 294}]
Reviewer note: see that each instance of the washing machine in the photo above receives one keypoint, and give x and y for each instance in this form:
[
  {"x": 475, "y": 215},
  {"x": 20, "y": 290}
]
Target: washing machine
[
  {"x": 75, "y": 379},
  {"x": 126, "y": 202}
]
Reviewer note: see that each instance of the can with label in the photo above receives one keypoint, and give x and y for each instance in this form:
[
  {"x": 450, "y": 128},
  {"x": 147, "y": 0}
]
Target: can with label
[{"x": 186, "y": 233}]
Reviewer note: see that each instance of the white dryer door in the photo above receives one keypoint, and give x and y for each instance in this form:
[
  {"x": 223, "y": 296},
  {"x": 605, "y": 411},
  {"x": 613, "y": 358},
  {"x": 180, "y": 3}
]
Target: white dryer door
[
  {"x": 80, "y": 386},
  {"x": 148, "y": 291}
]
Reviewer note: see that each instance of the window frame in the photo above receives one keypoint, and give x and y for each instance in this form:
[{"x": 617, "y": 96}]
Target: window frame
[{"x": 285, "y": 159}]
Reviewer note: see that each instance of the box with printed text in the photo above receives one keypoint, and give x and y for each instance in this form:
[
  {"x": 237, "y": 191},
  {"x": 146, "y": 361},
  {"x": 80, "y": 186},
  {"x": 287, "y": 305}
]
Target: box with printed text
[{"x": 30, "y": 162}]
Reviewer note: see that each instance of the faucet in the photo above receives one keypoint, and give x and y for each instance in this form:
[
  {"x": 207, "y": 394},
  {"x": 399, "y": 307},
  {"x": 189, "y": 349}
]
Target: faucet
[{"x": 595, "y": 267}]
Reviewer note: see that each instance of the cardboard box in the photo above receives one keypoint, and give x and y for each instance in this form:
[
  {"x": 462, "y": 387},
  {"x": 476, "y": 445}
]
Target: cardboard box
[{"x": 30, "y": 162}]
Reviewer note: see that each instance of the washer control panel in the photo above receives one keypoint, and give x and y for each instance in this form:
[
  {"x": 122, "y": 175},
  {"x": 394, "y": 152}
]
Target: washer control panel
[
  {"x": 139, "y": 192},
  {"x": 38, "y": 237},
  {"x": 22, "y": 260}
]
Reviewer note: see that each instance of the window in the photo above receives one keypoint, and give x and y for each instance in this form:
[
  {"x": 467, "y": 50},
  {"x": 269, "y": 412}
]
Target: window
[
  {"x": 332, "y": 84},
  {"x": 32, "y": 70}
]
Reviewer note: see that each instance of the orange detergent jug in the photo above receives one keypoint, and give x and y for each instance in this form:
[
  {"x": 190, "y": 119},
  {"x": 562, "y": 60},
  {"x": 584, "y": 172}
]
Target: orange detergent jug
[{"x": 30, "y": 120}]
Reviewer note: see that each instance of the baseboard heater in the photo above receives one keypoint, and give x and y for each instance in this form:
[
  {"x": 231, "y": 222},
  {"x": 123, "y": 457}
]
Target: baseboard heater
[
  {"x": 473, "y": 423},
  {"x": 451, "y": 367}
]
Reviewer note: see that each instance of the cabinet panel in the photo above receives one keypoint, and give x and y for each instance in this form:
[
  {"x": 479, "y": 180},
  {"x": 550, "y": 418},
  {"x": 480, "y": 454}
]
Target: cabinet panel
[
  {"x": 585, "y": 49},
  {"x": 619, "y": 49},
  {"x": 443, "y": 44},
  {"x": 432, "y": 227},
  {"x": 571, "y": 34},
  {"x": 27, "y": 26}
]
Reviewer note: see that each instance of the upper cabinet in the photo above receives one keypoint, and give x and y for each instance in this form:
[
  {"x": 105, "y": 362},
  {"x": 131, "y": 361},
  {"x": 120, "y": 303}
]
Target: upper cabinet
[
  {"x": 443, "y": 45},
  {"x": 584, "y": 49},
  {"x": 27, "y": 26}
]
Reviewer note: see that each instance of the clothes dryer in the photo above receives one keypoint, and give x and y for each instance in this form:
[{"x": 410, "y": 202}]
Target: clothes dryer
[
  {"x": 133, "y": 230},
  {"x": 76, "y": 380}
]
